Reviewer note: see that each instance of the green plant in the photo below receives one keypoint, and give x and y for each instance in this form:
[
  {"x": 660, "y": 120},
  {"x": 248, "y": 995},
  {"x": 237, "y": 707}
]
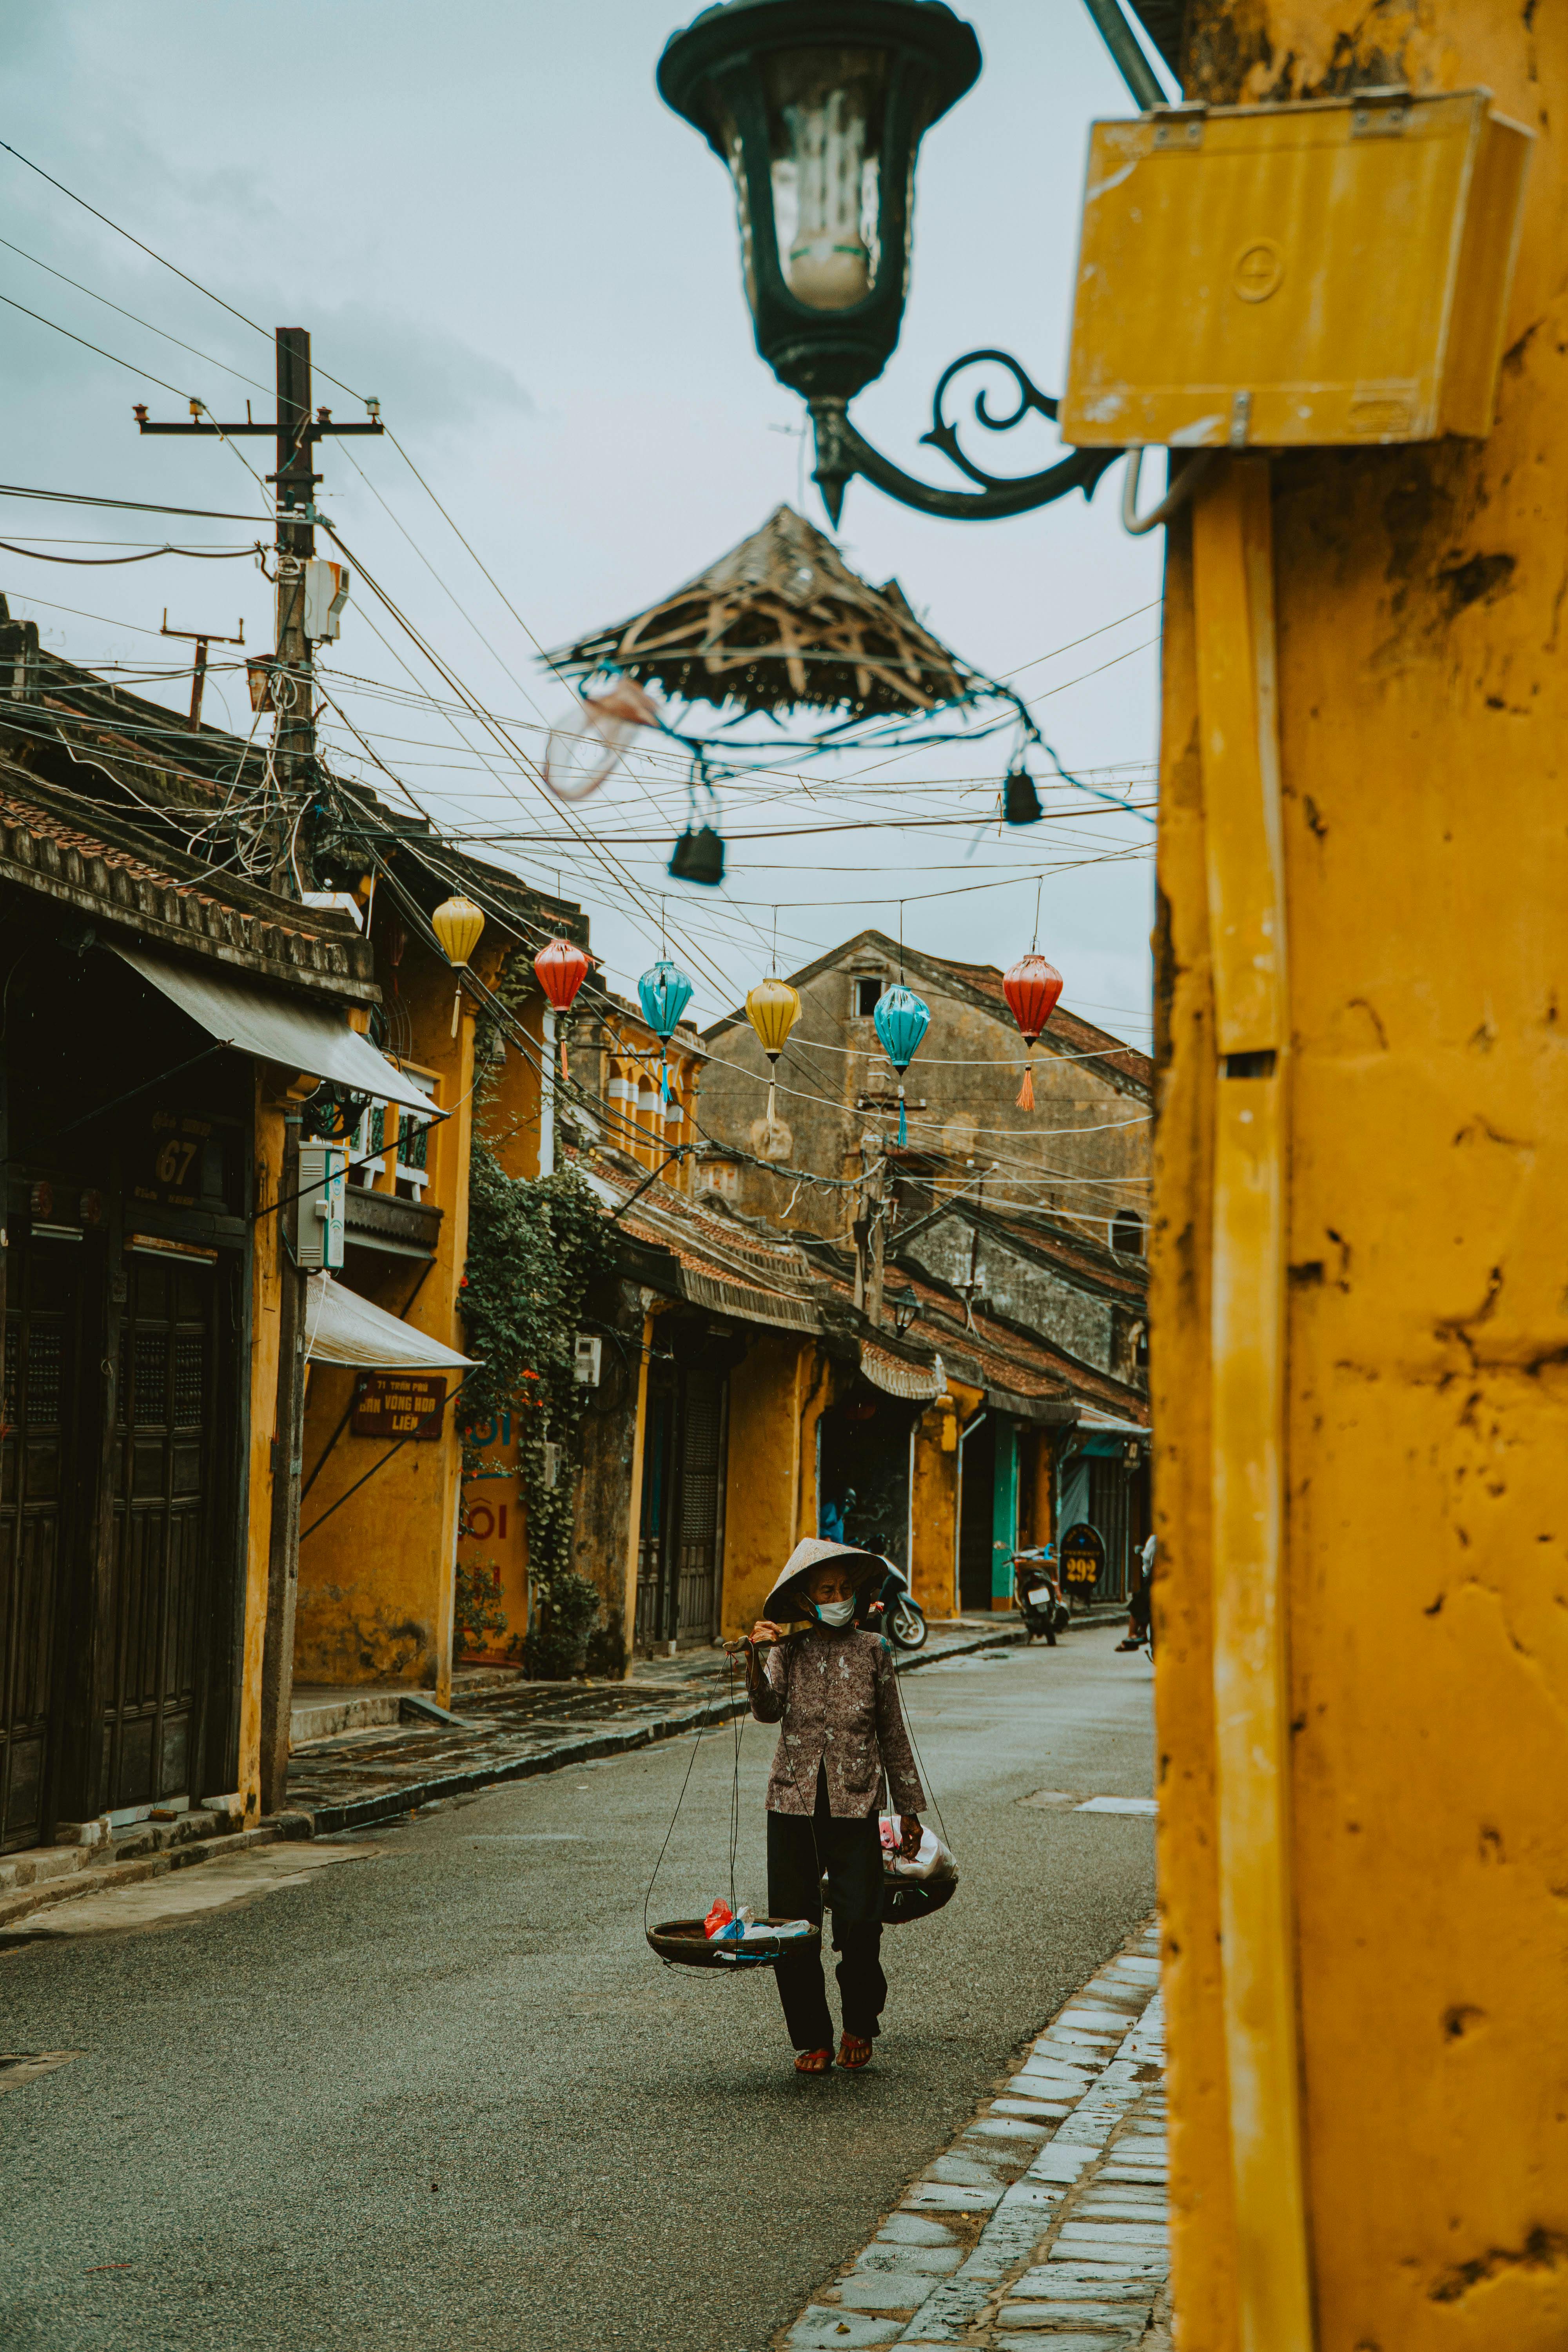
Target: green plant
[
  {"x": 534, "y": 1248},
  {"x": 559, "y": 1637},
  {"x": 479, "y": 1618}
]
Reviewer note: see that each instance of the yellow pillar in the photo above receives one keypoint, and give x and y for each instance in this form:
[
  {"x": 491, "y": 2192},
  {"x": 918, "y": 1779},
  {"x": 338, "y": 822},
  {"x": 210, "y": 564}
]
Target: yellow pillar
[{"x": 1361, "y": 1324}]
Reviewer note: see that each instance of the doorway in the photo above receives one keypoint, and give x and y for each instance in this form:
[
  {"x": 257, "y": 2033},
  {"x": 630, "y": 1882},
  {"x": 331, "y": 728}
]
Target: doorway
[
  {"x": 680, "y": 1546},
  {"x": 863, "y": 1473},
  {"x": 42, "y": 1353},
  {"x": 162, "y": 1572},
  {"x": 976, "y": 1507}
]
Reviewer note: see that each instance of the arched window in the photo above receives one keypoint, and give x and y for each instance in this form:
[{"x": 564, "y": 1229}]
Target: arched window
[{"x": 1127, "y": 1233}]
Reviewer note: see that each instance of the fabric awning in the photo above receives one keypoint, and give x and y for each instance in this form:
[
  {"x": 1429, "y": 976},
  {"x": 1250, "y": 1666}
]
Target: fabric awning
[
  {"x": 278, "y": 1028},
  {"x": 342, "y": 1327}
]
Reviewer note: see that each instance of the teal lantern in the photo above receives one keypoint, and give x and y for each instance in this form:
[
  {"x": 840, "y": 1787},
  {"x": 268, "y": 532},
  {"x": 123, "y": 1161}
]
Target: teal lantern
[
  {"x": 665, "y": 992},
  {"x": 902, "y": 1020}
]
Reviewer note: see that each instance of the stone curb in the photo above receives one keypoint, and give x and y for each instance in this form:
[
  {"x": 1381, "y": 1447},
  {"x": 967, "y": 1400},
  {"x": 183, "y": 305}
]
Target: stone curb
[
  {"x": 360, "y": 1813},
  {"x": 19, "y": 1907}
]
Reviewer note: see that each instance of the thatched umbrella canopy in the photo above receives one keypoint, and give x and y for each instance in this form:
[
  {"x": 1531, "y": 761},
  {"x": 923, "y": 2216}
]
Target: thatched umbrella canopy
[{"x": 781, "y": 622}]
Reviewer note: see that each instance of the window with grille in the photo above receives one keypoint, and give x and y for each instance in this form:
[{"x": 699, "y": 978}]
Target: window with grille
[
  {"x": 189, "y": 1381},
  {"x": 150, "y": 1372}
]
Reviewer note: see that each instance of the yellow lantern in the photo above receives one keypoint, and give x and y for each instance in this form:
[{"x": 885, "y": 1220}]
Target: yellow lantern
[
  {"x": 456, "y": 923},
  {"x": 773, "y": 1008}
]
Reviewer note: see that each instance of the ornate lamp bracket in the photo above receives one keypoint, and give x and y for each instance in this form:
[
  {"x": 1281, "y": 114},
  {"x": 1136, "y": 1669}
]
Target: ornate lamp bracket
[{"x": 841, "y": 453}]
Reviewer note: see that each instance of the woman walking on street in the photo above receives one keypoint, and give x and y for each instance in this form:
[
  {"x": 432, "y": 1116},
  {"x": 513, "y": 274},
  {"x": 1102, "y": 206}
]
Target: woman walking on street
[{"x": 832, "y": 1689}]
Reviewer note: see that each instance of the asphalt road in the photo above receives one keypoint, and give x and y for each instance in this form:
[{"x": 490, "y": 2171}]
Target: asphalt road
[{"x": 446, "y": 2096}]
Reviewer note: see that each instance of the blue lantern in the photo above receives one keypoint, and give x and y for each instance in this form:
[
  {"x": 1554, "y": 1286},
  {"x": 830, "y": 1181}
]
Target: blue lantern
[
  {"x": 902, "y": 1020},
  {"x": 665, "y": 992}
]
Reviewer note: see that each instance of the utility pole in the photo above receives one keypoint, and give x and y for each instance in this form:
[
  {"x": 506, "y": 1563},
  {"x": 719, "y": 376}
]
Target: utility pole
[
  {"x": 203, "y": 638},
  {"x": 295, "y": 433},
  {"x": 877, "y": 1209}
]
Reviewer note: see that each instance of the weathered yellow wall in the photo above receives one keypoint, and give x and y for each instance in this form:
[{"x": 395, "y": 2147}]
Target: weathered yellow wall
[
  {"x": 1423, "y": 709},
  {"x": 508, "y": 1118},
  {"x": 495, "y": 1535},
  {"x": 376, "y": 1579},
  {"x": 261, "y": 1426},
  {"x": 762, "y": 1480}
]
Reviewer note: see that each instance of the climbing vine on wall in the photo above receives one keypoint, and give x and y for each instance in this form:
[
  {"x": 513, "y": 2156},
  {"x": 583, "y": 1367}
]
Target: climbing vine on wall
[{"x": 534, "y": 1250}]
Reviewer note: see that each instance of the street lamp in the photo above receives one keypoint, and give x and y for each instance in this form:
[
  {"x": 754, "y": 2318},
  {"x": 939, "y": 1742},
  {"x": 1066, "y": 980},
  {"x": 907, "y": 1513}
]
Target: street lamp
[{"x": 817, "y": 108}]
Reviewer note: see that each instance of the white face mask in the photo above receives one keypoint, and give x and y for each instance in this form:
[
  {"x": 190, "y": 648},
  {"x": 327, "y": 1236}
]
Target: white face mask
[{"x": 835, "y": 1612}]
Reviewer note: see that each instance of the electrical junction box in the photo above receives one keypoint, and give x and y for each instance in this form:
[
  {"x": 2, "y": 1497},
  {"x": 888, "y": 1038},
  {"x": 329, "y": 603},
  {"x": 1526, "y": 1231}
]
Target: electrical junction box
[
  {"x": 318, "y": 1210},
  {"x": 1288, "y": 275},
  {"x": 586, "y": 1360},
  {"x": 326, "y": 594}
]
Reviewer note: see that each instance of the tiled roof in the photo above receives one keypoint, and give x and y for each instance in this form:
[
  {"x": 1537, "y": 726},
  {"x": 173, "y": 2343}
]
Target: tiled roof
[{"x": 53, "y": 844}]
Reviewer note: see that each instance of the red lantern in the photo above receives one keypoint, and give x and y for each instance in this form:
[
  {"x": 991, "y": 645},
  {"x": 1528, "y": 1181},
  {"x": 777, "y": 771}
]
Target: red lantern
[
  {"x": 561, "y": 969},
  {"x": 1031, "y": 987}
]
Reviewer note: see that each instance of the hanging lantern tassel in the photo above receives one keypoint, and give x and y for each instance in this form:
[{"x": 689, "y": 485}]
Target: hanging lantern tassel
[
  {"x": 903, "y": 1122},
  {"x": 663, "y": 1080},
  {"x": 772, "y": 1087},
  {"x": 1026, "y": 1091}
]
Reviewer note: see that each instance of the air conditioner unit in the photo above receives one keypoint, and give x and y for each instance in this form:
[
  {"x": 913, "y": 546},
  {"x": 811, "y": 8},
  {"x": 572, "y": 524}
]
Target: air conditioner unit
[
  {"x": 318, "y": 1210},
  {"x": 586, "y": 1360},
  {"x": 326, "y": 594}
]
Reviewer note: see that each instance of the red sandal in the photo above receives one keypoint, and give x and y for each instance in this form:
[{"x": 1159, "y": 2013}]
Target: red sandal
[
  {"x": 814, "y": 2061},
  {"x": 854, "y": 2053}
]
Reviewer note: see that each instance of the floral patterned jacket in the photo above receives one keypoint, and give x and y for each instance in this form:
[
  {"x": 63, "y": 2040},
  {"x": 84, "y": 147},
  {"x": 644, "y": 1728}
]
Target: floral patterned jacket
[{"x": 837, "y": 1697}]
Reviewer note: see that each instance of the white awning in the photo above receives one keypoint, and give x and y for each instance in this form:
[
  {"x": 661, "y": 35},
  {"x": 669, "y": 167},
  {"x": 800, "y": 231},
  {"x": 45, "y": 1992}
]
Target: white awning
[
  {"x": 342, "y": 1327},
  {"x": 278, "y": 1028}
]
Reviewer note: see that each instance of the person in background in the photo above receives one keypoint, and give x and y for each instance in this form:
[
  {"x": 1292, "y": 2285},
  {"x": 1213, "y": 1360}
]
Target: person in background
[
  {"x": 832, "y": 1690},
  {"x": 1140, "y": 1608}
]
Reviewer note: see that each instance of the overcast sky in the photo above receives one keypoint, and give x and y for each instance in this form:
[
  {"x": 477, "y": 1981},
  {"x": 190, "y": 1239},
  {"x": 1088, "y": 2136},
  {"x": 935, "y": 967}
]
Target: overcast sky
[{"x": 487, "y": 218}]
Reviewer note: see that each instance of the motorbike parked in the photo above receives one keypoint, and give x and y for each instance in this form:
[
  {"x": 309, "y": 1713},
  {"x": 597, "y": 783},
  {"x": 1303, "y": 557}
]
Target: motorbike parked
[
  {"x": 1037, "y": 1593},
  {"x": 894, "y": 1611}
]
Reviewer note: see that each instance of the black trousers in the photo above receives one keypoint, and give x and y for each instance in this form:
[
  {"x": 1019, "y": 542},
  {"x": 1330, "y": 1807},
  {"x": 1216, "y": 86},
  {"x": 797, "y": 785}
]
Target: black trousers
[{"x": 800, "y": 1849}]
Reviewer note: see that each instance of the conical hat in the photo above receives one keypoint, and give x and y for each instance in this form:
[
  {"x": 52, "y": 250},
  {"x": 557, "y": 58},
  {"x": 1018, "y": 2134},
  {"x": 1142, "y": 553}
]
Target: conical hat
[{"x": 816, "y": 1552}]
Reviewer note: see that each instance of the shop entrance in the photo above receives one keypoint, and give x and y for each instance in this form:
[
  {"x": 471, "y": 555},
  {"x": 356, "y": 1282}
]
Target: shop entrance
[
  {"x": 975, "y": 1508},
  {"x": 863, "y": 1472},
  {"x": 680, "y": 1548}
]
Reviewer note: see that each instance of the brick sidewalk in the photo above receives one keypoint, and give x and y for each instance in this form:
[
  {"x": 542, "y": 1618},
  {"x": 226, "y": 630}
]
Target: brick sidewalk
[
  {"x": 511, "y": 1735},
  {"x": 1043, "y": 2228}
]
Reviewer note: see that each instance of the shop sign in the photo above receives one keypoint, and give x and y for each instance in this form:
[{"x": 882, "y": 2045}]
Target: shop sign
[
  {"x": 170, "y": 1176},
  {"x": 1081, "y": 1557},
  {"x": 399, "y": 1404}
]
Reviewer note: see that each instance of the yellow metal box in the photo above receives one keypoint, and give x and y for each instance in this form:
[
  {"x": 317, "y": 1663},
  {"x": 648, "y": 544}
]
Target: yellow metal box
[{"x": 1336, "y": 271}]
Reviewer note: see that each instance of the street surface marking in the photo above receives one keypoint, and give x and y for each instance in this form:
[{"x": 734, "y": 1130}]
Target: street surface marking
[
  {"x": 1117, "y": 1805},
  {"x": 185, "y": 1894}
]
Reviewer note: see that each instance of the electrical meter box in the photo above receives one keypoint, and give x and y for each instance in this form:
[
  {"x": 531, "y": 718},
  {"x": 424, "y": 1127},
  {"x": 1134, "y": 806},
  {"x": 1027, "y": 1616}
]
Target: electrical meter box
[
  {"x": 326, "y": 594},
  {"x": 319, "y": 1226},
  {"x": 1287, "y": 276}
]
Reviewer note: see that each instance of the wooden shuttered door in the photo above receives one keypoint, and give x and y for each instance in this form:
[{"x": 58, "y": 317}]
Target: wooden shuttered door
[
  {"x": 681, "y": 1544},
  {"x": 161, "y": 1532},
  {"x": 42, "y": 1353}
]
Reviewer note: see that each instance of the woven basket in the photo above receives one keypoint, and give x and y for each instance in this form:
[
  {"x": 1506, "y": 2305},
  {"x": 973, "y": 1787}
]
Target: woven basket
[{"x": 684, "y": 1943}]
